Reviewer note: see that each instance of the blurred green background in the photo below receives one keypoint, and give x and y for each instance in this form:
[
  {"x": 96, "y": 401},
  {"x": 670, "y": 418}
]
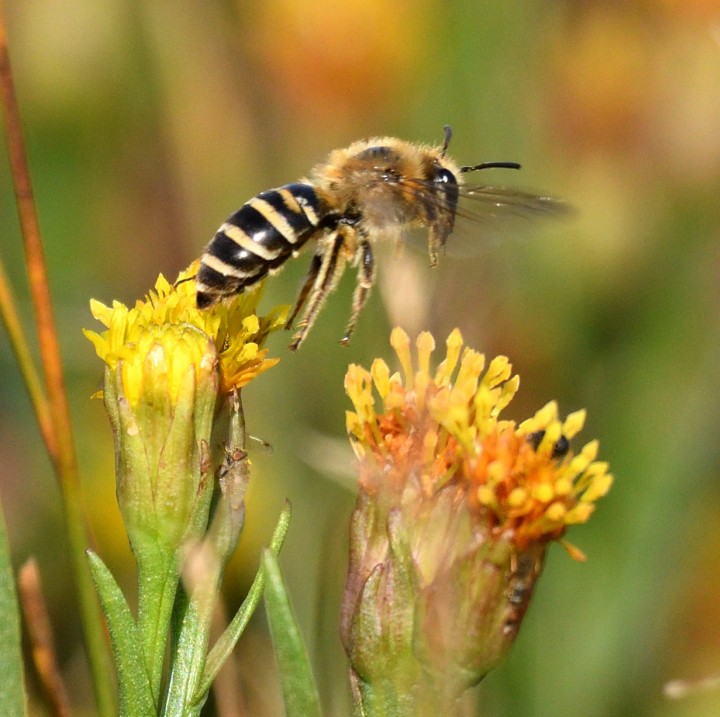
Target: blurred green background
[{"x": 149, "y": 122}]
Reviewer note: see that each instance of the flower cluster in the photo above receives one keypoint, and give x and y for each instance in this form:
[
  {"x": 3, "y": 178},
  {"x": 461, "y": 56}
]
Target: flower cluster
[
  {"x": 172, "y": 385},
  {"x": 438, "y": 429},
  {"x": 171, "y": 381},
  {"x": 455, "y": 511},
  {"x": 233, "y": 326}
]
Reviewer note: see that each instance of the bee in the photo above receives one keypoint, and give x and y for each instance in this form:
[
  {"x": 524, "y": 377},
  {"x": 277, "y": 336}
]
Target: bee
[{"x": 373, "y": 189}]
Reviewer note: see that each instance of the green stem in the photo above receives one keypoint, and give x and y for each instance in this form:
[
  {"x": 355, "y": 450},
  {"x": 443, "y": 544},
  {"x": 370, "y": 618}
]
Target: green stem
[
  {"x": 426, "y": 698},
  {"x": 380, "y": 700},
  {"x": 21, "y": 348},
  {"x": 158, "y": 579},
  {"x": 193, "y": 618},
  {"x": 60, "y": 445}
]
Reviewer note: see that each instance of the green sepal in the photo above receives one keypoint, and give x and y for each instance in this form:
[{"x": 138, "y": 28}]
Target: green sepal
[
  {"x": 12, "y": 694},
  {"x": 133, "y": 684},
  {"x": 298, "y": 685}
]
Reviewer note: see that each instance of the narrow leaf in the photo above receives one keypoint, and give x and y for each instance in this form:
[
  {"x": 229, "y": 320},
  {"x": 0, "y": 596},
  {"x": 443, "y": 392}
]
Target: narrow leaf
[
  {"x": 133, "y": 683},
  {"x": 227, "y": 641},
  {"x": 298, "y": 686},
  {"x": 12, "y": 697},
  {"x": 187, "y": 656}
]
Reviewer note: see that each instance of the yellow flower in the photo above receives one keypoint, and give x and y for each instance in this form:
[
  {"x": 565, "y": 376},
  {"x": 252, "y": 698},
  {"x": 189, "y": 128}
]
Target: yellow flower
[
  {"x": 167, "y": 363},
  {"x": 233, "y": 326},
  {"x": 171, "y": 390},
  {"x": 443, "y": 429},
  {"x": 456, "y": 508}
]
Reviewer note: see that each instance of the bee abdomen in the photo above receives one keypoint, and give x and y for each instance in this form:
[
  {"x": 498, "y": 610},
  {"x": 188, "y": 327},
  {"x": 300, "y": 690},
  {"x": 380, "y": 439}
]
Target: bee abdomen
[{"x": 260, "y": 236}]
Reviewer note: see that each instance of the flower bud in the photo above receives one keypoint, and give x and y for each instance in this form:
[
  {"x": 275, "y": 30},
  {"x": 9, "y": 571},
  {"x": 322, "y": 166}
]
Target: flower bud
[{"x": 160, "y": 398}]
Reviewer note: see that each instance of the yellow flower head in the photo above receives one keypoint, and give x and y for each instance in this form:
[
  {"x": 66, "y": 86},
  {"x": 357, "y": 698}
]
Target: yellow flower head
[
  {"x": 455, "y": 510},
  {"x": 233, "y": 326},
  {"x": 443, "y": 428}
]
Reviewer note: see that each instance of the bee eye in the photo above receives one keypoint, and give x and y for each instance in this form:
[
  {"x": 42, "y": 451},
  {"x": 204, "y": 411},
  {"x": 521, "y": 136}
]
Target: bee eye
[{"x": 445, "y": 176}]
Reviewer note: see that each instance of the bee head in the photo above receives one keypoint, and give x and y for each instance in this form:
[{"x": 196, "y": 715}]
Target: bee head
[{"x": 441, "y": 207}]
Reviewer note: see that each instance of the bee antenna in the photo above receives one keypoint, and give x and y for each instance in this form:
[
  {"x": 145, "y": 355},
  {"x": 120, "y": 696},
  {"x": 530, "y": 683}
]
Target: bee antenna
[
  {"x": 491, "y": 165},
  {"x": 448, "y": 137}
]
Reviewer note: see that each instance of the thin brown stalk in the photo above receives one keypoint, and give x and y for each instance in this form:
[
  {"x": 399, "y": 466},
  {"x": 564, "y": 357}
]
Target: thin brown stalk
[
  {"x": 61, "y": 447},
  {"x": 39, "y": 630},
  {"x": 35, "y": 261}
]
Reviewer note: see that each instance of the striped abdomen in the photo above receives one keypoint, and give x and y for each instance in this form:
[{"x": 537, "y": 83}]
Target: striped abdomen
[{"x": 260, "y": 236}]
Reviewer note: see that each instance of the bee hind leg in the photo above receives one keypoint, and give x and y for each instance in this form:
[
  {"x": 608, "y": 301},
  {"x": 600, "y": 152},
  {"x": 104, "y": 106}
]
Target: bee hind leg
[
  {"x": 365, "y": 281},
  {"x": 310, "y": 279},
  {"x": 328, "y": 272}
]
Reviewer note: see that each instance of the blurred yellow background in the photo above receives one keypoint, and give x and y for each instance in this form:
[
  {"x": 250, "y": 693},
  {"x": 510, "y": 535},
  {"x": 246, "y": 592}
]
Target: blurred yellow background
[{"x": 149, "y": 122}]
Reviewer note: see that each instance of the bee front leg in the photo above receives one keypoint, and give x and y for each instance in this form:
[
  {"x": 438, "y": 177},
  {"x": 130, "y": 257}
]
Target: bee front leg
[
  {"x": 331, "y": 267},
  {"x": 365, "y": 281}
]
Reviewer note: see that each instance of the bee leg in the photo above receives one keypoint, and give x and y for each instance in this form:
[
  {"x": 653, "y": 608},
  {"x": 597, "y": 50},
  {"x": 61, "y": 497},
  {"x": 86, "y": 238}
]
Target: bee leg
[
  {"x": 313, "y": 271},
  {"x": 365, "y": 281},
  {"x": 331, "y": 267},
  {"x": 433, "y": 246},
  {"x": 182, "y": 281}
]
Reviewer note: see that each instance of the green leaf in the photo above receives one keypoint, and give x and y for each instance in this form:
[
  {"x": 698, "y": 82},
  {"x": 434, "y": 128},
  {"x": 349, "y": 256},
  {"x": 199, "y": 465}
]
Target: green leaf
[
  {"x": 12, "y": 695},
  {"x": 298, "y": 686},
  {"x": 187, "y": 654},
  {"x": 134, "y": 686},
  {"x": 227, "y": 641}
]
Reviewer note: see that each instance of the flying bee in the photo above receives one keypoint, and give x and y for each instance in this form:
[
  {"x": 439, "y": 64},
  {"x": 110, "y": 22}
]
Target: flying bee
[{"x": 373, "y": 189}]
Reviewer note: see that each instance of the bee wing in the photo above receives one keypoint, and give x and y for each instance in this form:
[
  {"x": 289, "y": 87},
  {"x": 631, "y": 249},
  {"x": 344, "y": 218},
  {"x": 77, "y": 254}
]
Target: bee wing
[
  {"x": 489, "y": 215},
  {"x": 497, "y": 203}
]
